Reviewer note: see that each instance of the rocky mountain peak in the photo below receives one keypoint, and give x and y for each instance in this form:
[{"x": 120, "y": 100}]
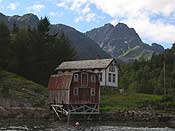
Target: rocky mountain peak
[
  {"x": 157, "y": 48},
  {"x": 121, "y": 40},
  {"x": 29, "y": 16},
  {"x": 21, "y": 21},
  {"x": 61, "y": 28},
  {"x": 108, "y": 25},
  {"x": 121, "y": 26},
  {"x": 83, "y": 45}
]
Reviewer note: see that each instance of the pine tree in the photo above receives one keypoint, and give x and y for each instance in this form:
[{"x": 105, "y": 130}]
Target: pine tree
[
  {"x": 4, "y": 44},
  {"x": 43, "y": 26},
  {"x": 35, "y": 54}
]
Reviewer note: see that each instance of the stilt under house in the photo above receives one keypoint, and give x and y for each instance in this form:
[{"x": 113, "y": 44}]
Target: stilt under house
[{"x": 74, "y": 93}]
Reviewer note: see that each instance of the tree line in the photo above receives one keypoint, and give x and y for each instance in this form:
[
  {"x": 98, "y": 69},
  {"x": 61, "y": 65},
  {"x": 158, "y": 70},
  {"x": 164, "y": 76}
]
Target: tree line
[
  {"x": 33, "y": 53},
  {"x": 155, "y": 76}
]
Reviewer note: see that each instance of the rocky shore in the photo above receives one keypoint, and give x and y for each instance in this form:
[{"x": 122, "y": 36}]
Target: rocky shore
[
  {"x": 118, "y": 115},
  {"x": 137, "y": 115},
  {"x": 24, "y": 113}
]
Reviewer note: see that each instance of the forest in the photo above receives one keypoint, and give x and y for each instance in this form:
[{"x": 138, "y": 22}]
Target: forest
[
  {"x": 33, "y": 53},
  {"x": 155, "y": 76}
]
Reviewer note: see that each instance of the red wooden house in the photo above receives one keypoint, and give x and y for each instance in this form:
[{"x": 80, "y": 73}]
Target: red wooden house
[{"x": 75, "y": 92}]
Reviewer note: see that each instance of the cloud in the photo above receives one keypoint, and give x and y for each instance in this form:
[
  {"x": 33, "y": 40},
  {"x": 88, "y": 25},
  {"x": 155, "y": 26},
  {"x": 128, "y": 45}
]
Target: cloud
[
  {"x": 55, "y": 14},
  {"x": 62, "y": 4},
  {"x": 138, "y": 14},
  {"x": 36, "y": 8},
  {"x": 130, "y": 8},
  {"x": 150, "y": 18},
  {"x": 81, "y": 7},
  {"x": 13, "y": 6},
  {"x": 86, "y": 15},
  {"x": 155, "y": 31},
  {"x": 89, "y": 18}
]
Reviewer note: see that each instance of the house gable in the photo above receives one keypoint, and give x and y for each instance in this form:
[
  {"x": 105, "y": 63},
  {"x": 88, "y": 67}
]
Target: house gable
[{"x": 102, "y": 67}]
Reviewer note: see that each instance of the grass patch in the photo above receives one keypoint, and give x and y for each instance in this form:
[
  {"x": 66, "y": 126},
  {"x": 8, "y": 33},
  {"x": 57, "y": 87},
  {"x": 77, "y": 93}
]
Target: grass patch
[
  {"x": 18, "y": 88},
  {"x": 112, "y": 100}
]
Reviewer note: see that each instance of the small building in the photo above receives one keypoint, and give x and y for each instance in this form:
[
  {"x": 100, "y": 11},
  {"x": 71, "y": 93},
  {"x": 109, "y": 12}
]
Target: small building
[
  {"x": 74, "y": 92},
  {"x": 107, "y": 70}
]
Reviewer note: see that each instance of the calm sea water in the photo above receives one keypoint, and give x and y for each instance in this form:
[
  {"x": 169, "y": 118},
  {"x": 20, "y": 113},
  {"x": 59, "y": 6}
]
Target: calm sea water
[{"x": 14, "y": 125}]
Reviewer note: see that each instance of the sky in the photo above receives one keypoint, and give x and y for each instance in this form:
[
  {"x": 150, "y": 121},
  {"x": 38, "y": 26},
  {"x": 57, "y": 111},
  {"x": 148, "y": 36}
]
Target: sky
[{"x": 153, "y": 20}]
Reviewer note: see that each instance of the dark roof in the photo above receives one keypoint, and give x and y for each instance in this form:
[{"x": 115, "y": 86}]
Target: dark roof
[{"x": 85, "y": 64}]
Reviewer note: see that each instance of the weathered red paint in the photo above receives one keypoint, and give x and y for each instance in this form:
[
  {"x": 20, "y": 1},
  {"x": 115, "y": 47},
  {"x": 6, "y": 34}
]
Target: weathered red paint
[{"x": 61, "y": 89}]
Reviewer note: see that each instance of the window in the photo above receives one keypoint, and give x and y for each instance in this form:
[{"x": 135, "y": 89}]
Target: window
[
  {"x": 109, "y": 77},
  {"x": 100, "y": 76},
  {"x": 84, "y": 79},
  {"x": 75, "y": 92},
  {"x": 93, "y": 78},
  {"x": 113, "y": 78},
  {"x": 76, "y": 77},
  {"x": 92, "y": 91},
  {"x": 112, "y": 67}
]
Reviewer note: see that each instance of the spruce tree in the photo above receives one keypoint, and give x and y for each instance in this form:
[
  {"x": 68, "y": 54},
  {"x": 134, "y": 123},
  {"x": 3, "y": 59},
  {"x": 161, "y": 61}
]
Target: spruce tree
[{"x": 4, "y": 44}]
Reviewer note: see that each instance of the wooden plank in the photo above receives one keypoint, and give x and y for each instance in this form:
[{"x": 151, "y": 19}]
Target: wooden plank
[
  {"x": 84, "y": 113},
  {"x": 56, "y": 113}
]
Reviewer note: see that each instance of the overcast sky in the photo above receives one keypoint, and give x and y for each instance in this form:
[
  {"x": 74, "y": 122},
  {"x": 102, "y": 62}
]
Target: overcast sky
[{"x": 153, "y": 20}]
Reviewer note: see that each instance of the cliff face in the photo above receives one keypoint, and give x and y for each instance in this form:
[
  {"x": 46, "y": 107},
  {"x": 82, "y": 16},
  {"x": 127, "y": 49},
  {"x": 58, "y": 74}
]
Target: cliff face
[{"x": 122, "y": 42}]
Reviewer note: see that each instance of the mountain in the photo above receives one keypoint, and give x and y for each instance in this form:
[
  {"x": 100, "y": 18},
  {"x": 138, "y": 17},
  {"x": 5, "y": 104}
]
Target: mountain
[
  {"x": 83, "y": 45},
  {"x": 25, "y": 21},
  {"x": 123, "y": 42},
  {"x": 3, "y": 18},
  {"x": 119, "y": 41}
]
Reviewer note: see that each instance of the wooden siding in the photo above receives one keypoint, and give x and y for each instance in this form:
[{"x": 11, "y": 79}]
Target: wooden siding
[
  {"x": 61, "y": 89},
  {"x": 84, "y": 92},
  {"x": 59, "y": 96}
]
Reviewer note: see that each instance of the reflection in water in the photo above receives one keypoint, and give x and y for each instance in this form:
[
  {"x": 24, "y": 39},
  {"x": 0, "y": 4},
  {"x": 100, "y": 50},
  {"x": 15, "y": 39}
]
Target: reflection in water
[{"x": 57, "y": 126}]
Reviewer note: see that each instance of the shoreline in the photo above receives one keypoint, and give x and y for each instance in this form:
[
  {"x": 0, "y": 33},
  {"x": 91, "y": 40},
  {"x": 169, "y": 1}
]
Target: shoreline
[{"x": 120, "y": 116}]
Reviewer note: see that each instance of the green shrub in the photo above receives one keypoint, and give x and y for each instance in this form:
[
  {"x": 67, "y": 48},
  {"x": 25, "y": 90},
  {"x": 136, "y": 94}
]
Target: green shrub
[{"x": 5, "y": 91}]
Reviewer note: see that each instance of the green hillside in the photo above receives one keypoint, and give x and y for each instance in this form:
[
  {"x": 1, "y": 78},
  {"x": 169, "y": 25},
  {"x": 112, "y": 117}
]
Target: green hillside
[
  {"x": 113, "y": 100},
  {"x": 136, "y": 53},
  {"x": 15, "y": 87}
]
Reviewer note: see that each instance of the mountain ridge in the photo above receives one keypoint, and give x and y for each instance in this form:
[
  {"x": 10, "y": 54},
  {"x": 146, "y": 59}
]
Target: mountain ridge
[
  {"x": 83, "y": 45},
  {"x": 119, "y": 39},
  {"x": 104, "y": 41}
]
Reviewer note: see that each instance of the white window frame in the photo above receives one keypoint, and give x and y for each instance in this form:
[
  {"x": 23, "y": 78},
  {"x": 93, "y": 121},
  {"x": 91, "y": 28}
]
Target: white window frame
[
  {"x": 100, "y": 77},
  {"x": 112, "y": 67},
  {"x": 75, "y": 92},
  {"x": 82, "y": 79},
  {"x": 93, "y": 78},
  {"x": 92, "y": 91},
  {"x": 75, "y": 77}
]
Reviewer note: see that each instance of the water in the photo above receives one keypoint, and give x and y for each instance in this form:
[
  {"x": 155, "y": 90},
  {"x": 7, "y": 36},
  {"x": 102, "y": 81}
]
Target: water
[{"x": 84, "y": 126}]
